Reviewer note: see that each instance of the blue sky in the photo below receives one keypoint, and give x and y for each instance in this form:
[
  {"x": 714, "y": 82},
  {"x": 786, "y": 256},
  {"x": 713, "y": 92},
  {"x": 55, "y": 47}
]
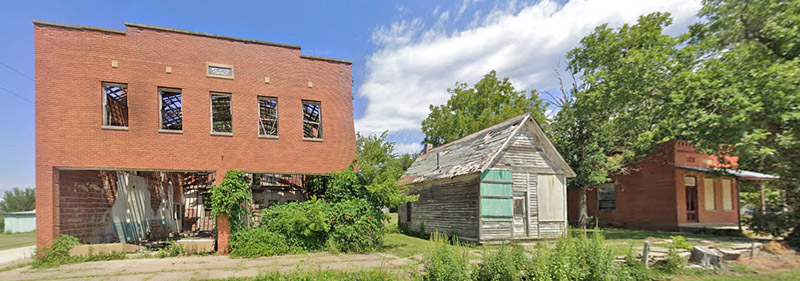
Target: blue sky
[{"x": 405, "y": 54}]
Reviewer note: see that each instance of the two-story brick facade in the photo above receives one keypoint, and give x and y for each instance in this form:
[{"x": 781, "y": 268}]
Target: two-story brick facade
[{"x": 172, "y": 111}]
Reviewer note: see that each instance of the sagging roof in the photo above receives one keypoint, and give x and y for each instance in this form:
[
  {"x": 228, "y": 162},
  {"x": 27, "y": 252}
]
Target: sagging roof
[
  {"x": 742, "y": 174},
  {"x": 475, "y": 153}
]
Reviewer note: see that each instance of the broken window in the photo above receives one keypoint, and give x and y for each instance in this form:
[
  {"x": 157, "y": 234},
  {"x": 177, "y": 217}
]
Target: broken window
[
  {"x": 607, "y": 197},
  {"x": 171, "y": 113},
  {"x": 221, "y": 117},
  {"x": 312, "y": 122},
  {"x": 519, "y": 207},
  {"x": 115, "y": 104},
  {"x": 267, "y": 116}
]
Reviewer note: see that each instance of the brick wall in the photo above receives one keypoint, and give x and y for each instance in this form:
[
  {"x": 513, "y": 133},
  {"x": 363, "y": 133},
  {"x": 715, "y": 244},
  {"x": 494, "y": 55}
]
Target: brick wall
[
  {"x": 85, "y": 206},
  {"x": 71, "y": 63}
]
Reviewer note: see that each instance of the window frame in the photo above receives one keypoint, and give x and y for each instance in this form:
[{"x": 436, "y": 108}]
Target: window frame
[
  {"x": 104, "y": 94},
  {"x": 211, "y": 112},
  {"x": 219, "y": 65},
  {"x": 319, "y": 123},
  {"x": 161, "y": 91},
  {"x": 277, "y": 117},
  {"x": 599, "y": 197}
]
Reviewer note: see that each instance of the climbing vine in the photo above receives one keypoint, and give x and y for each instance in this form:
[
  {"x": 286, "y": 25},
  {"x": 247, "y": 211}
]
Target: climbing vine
[{"x": 231, "y": 198}]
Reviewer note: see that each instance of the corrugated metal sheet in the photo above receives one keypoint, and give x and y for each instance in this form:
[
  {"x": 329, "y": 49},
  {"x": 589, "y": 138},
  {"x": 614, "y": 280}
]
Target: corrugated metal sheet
[{"x": 20, "y": 222}]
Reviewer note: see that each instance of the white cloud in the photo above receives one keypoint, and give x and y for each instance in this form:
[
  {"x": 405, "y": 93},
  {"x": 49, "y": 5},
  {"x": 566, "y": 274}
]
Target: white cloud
[
  {"x": 415, "y": 64},
  {"x": 411, "y": 147}
]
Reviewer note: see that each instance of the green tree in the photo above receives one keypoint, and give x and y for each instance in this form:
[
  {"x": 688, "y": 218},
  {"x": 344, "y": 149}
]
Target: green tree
[
  {"x": 612, "y": 117},
  {"x": 18, "y": 199},
  {"x": 230, "y": 198},
  {"x": 744, "y": 88},
  {"x": 469, "y": 110}
]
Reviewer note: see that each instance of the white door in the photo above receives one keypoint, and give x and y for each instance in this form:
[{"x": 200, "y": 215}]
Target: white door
[{"x": 520, "y": 207}]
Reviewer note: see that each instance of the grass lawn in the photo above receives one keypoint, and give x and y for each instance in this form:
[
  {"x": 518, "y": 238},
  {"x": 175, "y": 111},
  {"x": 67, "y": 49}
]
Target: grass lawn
[
  {"x": 793, "y": 274},
  {"x": 402, "y": 245},
  {"x": 16, "y": 240}
]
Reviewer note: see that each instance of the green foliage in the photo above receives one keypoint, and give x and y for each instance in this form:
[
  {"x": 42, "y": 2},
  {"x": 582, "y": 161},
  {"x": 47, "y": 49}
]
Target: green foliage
[
  {"x": 356, "y": 226},
  {"x": 304, "y": 224},
  {"x": 579, "y": 257},
  {"x": 58, "y": 254},
  {"x": 378, "y": 171},
  {"x": 775, "y": 221},
  {"x": 258, "y": 242},
  {"x": 230, "y": 197},
  {"x": 504, "y": 263},
  {"x": 680, "y": 242},
  {"x": 674, "y": 263},
  {"x": 634, "y": 269},
  {"x": 446, "y": 262},
  {"x": 469, "y": 110},
  {"x": 173, "y": 249},
  {"x": 325, "y": 275},
  {"x": 17, "y": 200}
]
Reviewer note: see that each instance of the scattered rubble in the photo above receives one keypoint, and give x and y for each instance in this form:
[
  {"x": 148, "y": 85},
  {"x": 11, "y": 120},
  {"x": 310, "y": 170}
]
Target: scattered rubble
[{"x": 706, "y": 257}]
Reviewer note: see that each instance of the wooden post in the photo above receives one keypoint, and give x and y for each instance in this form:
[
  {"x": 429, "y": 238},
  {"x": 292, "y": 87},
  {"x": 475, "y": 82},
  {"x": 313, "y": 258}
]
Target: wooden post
[
  {"x": 646, "y": 254},
  {"x": 762, "y": 194}
]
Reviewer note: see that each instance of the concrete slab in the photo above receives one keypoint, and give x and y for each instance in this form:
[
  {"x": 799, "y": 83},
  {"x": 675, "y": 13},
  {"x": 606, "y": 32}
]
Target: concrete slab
[{"x": 12, "y": 256}]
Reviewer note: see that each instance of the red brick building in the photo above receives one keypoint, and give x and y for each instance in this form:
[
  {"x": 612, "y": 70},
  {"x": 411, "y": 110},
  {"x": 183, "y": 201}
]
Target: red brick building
[
  {"x": 674, "y": 188},
  {"x": 133, "y": 126}
]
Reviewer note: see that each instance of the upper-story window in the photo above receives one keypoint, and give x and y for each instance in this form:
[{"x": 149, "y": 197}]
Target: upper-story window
[
  {"x": 115, "y": 104},
  {"x": 268, "y": 116},
  {"x": 221, "y": 113},
  {"x": 312, "y": 119},
  {"x": 171, "y": 117},
  {"x": 219, "y": 70}
]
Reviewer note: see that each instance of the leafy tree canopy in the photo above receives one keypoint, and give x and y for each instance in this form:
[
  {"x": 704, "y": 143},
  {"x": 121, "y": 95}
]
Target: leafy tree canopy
[
  {"x": 18, "y": 200},
  {"x": 469, "y": 110}
]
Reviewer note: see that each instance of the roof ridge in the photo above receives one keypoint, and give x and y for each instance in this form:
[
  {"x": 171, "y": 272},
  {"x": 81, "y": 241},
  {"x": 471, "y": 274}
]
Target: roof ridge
[{"x": 500, "y": 124}]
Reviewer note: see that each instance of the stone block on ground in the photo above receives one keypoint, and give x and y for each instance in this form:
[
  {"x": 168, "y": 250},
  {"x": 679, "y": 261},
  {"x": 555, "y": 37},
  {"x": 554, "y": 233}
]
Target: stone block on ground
[{"x": 706, "y": 257}]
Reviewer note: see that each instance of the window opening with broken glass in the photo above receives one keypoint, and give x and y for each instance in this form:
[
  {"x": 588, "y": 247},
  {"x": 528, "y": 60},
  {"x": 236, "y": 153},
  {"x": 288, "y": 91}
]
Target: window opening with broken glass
[
  {"x": 221, "y": 116},
  {"x": 268, "y": 116},
  {"x": 115, "y": 104},
  {"x": 171, "y": 112},
  {"x": 312, "y": 122}
]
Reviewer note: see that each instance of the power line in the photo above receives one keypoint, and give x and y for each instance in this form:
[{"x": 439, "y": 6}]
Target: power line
[
  {"x": 17, "y": 71},
  {"x": 14, "y": 94}
]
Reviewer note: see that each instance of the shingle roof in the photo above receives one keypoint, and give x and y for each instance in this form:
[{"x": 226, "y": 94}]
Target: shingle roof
[{"x": 463, "y": 156}]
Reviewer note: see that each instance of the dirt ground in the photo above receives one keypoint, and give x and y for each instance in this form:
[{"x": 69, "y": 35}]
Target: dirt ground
[{"x": 205, "y": 267}]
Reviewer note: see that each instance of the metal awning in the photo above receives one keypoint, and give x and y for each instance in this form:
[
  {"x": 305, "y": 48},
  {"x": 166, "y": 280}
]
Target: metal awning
[{"x": 741, "y": 174}]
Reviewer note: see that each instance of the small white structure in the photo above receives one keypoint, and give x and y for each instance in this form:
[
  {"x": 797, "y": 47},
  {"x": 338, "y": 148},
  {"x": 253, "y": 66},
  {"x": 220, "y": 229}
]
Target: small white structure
[{"x": 20, "y": 221}]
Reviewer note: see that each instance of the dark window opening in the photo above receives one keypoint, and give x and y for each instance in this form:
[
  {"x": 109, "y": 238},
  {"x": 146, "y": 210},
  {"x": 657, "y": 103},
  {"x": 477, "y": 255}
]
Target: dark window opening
[
  {"x": 221, "y": 115},
  {"x": 171, "y": 112},
  {"x": 519, "y": 207},
  {"x": 408, "y": 212},
  {"x": 607, "y": 197},
  {"x": 312, "y": 122},
  {"x": 115, "y": 101},
  {"x": 267, "y": 116}
]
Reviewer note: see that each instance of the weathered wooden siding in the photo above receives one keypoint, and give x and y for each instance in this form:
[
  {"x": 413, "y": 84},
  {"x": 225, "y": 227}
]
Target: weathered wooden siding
[
  {"x": 526, "y": 158},
  {"x": 449, "y": 206}
]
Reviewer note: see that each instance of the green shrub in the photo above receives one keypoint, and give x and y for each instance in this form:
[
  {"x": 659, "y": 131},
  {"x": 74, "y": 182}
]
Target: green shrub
[
  {"x": 259, "y": 242},
  {"x": 230, "y": 197},
  {"x": 173, "y": 249},
  {"x": 680, "y": 242},
  {"x": 58, "y": 254},
  {"x": 634, "y": 270},
  {"x": 304, "y": 224},
  {"x": 356, "y": 226},
  {"x": 446, "y": 262},
  {"x": 506, "y": 263},
  {"x": 674, "y": 263},
  {"x": 579, "y": 257}
]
